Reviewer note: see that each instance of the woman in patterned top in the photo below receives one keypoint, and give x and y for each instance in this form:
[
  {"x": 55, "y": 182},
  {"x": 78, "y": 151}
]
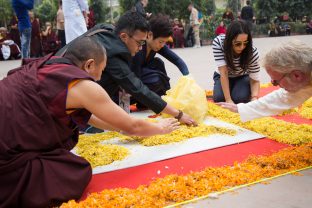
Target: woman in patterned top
[{"x": 237, "y": 78}]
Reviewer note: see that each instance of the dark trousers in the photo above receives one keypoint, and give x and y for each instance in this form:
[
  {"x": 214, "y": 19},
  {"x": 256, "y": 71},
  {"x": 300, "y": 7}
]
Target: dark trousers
[
  {"x": 154, "y": 76},
  {"x": 61, "y": 37},
  {"x": 239, "y": 89}
]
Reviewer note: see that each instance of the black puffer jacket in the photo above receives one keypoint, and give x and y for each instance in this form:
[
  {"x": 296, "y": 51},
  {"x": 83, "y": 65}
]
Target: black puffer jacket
[{"x": 118, "y": 74}]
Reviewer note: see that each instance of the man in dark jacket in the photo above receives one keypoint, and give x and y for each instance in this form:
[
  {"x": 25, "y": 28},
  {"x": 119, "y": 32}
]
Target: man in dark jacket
[
  {"x": 121, "y": 44},
  {"x": 247, "y": 14},
  {"x": 139, "y": 6}
]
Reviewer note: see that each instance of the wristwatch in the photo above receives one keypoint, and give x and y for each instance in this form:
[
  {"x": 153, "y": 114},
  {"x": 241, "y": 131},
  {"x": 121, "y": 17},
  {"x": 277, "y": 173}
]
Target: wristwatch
[{"x": 179, "y": 116}]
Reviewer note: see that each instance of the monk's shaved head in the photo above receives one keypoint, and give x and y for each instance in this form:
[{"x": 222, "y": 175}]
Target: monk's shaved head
[{"x": 83, "y": 49}]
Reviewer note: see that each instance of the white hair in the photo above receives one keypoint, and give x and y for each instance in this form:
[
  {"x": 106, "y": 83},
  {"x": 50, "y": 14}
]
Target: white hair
[{"x": 292, "y": 55}]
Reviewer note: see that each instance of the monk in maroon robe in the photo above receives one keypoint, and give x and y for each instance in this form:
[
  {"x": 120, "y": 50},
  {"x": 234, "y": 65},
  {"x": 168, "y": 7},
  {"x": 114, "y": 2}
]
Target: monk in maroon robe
[
  {"x": 50, "y": 44},
  {"x": 42, "y": 104},
  {"x": 14, "y": 33},
  {"x": 9, "y": 50},
  {"x": 35, "y": 42}
]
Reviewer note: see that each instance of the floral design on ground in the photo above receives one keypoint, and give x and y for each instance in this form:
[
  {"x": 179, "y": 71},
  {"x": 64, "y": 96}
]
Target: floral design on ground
[{"x": 174, "y": 188}]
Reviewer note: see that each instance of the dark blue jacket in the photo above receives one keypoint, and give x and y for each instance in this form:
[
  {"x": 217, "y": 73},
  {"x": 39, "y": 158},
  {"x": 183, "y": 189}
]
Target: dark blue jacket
[
  {"x": 21, "y": 8},
  {"x": 139, "y": 61}
]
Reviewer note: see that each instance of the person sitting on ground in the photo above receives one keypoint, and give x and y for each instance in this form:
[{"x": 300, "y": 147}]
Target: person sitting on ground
[
  {"x": 237, "y": 79},
  {"x": 221, "y": 29},
  {"x": 9, "y": 50},
  {"x": 309, "y": 27},
  {"x": 290, "y": 67},
  {"x": 150, "y": 69},
  {"x": 122, "y": 43},
  {"x": 287, "y": 29},
  {"x": 50, "y": 43},
  {"x": 42, "y": 104}
]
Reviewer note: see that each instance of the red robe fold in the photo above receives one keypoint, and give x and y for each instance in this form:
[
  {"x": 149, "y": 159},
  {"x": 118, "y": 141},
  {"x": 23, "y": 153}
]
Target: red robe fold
[{"x": 36, "y": 167}]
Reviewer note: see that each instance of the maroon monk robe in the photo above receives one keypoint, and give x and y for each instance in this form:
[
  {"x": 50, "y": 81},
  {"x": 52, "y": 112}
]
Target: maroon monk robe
[
  {"x": 15, "y": 52},
  {"x": 50, "y": 43},
  {"x": 14, "y": 33},
  {"x": 35, "y": 42},
  {"x": 37, "y": 168}
]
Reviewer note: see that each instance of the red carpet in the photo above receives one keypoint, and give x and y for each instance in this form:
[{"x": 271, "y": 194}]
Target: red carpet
[
  {"x": 133, "y": 177},
  {"x": 144, "y": 174}
]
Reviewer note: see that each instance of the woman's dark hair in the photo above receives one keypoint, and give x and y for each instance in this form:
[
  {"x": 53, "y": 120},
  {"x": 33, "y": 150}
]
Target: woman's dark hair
[
  {"x": 130, "y": 22},
  {"x": 160, "y": 26},
  {"x": 234, "y": 29}
]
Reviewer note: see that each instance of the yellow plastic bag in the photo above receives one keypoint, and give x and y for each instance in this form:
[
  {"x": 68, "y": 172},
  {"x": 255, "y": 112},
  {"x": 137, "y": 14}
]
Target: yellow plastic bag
[{"x": 189, "y": 97}]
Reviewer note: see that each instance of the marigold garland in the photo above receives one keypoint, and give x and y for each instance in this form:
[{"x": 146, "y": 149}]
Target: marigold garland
[
  {"x": 175, "y": 188},
  {"x": 306, "y": 109},
  {"x": 278, "y": 130},
  {"x": 183, "y": 133},
  {"x": 91, "y": 147}
]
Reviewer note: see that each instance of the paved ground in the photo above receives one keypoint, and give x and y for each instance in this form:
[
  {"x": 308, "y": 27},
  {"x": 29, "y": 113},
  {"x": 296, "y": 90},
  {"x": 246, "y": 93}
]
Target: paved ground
[{"x": 286, "y": 192}]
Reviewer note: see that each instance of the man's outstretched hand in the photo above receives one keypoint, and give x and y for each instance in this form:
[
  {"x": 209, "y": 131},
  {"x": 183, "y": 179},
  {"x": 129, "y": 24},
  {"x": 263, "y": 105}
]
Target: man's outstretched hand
[{"x": 230, "y": 106}]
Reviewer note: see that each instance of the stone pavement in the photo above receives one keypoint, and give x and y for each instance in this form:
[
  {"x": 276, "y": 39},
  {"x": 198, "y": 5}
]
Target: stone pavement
[{"x": 285, "y": 192}]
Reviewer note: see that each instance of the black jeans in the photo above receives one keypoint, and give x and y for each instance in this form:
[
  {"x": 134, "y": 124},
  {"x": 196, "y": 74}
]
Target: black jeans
[{"x": 239, "y": 89}]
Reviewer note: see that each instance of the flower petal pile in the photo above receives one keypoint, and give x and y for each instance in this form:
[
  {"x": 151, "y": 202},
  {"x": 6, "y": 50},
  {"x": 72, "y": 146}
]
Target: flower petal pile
[{"x": 175, "y": 188}]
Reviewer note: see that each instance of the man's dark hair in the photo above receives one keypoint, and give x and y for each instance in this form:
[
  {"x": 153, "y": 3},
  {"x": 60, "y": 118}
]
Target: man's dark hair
[
  {"x": 235, "y": 28},
  {"x": 82, "y": 49},
  {"x": 130, "y": 22},
  {"x": 248, "y": 2},
  {"x": 160, "y": 26}
]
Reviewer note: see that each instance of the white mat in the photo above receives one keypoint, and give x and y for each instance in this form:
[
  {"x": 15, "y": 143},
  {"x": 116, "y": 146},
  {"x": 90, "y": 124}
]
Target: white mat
[{"x": 140, "y": 155}]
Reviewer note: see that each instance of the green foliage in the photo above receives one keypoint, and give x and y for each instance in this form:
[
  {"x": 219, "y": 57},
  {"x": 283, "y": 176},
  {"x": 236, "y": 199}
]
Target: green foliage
[
  {"x": 6, "y": 12},
  {"x": 234, "y": 5},
  {"x": 173, "y": 8},
  {"x": 208, "y": 28},
  {"x": 100, "y": 9},
  {"x": 271, "y": 8},
  {"x": 46, "y": 11},
  {"x": 298, "y": 27},
  {"x": 126, "y": 5}
]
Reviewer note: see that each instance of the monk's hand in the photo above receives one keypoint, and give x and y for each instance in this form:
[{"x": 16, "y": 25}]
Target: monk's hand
[
  {"x": 168, "y": 125},
  {"x": 188, "y": 120},
  {"x": 230, "y": 106}
]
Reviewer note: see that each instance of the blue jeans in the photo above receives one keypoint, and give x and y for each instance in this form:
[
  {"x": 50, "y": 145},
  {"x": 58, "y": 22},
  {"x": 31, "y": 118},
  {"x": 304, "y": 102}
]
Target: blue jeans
[
  {"x": 25, "y": 42},
  {"x": 239, "y": 89}
]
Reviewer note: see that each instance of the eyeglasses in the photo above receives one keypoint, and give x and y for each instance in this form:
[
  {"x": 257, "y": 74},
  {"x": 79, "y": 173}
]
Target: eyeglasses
[
  {"x": 240, "y": 43},
  {"x": 277, "y": 82},
  {"x": 138, "y": 42}
]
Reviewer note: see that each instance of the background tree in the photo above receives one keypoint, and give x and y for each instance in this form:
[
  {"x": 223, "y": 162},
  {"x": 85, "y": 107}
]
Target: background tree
[
  {"x": 46, "y": 11},
  {"x": 296, "y": 8},
  {"x": 6, "y": 12},
  {"x": 100, "y": 9},
  {"x": 126, "y": 5},
  {"x": 271, "y": 8},
  {"x": 173, "y": 8},
  {"x": 235, "y": 6},
  {"x": 265, "y": 9}
]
